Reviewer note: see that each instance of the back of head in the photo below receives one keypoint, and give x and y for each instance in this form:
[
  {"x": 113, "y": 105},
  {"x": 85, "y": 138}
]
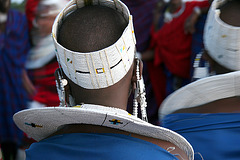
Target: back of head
[
  {"x": 91, "y": 28},
  {"x": 222, "y": 33},
  {"x": 230, "y": 13},
  {"x": 95, "y": 42}
]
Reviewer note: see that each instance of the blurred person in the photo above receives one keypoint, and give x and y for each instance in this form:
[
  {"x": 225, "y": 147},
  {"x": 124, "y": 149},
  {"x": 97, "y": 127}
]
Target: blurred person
[
  {"x": 220, "y": 58},
  {"x": 14, "y": 46},
  {"x": 142, "y": 12},
  {"x": 98, "y": 71},
  {"x": 30, "y": 9},
  {"x": 199, "y": 66},
  {"x": 206, "y": 112},
  {"x": 41, "y": 61},
  {"x": 197, "y": 48},
  {"x": 174, "y": 23}
]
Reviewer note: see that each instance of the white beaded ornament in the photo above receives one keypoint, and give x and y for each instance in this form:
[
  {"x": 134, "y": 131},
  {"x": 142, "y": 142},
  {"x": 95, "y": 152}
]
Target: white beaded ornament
[{"x": 221, "y": 40}]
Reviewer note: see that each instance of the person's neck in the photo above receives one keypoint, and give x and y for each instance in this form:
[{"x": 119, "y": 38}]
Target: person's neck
[
  {"x": 116, "y": 100},
  {"x": 114, "y": 96}
]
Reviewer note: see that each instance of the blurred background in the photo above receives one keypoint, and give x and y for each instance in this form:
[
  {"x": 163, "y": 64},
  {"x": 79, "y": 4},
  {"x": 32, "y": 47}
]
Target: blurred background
[{"x": 18, "y": 4}]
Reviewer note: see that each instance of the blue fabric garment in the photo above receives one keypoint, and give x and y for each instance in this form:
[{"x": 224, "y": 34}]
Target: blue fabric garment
[
  {"x": 174, "y": 82},
  {"x": 14, "y": 46},
  {"x": 215, "y": 136},
  {"x": 90, "y": 146}
]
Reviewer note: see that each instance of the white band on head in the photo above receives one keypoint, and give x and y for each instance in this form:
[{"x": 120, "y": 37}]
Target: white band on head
[
  {"x": 221, "y": 40},
  {"x": 102, "y": 68}
]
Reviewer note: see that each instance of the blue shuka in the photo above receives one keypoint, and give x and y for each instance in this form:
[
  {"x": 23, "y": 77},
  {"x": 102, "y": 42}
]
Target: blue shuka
[
  {"x": 91, "y": 146},
  {"x": 14, "y": 46},
  {"x": 215, "y": 136}
]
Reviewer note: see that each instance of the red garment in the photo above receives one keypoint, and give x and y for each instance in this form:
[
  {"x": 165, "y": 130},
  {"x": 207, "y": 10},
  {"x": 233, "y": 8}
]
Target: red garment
[
  {"x": 158, "y": 81},
  {"x": 30, "y": 8},
  {"x": 172, "y": 45},
  {"x": 44, "y": 81},
  {"x": 173, "y": 49}
]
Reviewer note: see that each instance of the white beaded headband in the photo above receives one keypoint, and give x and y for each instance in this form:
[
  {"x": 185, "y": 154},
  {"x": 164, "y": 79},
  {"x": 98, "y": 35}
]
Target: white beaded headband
[
  {"x": 222, "y": 40},
  {"x": 102, "y": 68}
]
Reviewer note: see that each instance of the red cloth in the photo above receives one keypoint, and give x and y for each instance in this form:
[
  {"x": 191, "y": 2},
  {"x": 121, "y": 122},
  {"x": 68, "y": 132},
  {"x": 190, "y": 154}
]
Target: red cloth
[
  {"x": 158, "y": 81},
  {"x": 44, "y": 81},
  {"x": 173, "y": 49},
  {"x": 30, "y": 9},
  {"x": 172, "y": 45}
]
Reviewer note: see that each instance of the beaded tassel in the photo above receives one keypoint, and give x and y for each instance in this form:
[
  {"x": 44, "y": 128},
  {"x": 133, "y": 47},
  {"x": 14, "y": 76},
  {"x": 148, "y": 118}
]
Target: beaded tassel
[
  {"x": 139, "y": 95},
  {"x": 135, "y": 105},
  {"x": 143, "y": 102}
]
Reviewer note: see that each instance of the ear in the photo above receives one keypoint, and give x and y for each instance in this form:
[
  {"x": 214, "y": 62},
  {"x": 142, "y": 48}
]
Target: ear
[
  {"x": 60, "y": 76},
  {"x": 56, "y": 75}
]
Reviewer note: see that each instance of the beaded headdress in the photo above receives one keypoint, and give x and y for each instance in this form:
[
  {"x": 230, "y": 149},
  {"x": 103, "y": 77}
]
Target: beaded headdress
[
  {"x": 102, "y": 68},
  {"x": 221, "y": 40}
]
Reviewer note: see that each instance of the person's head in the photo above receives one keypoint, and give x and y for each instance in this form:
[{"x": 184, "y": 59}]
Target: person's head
[
  {"x": 4, "y": 7},
  {"x": 96, "y": 48},
  {"x": 91, "y": 28},
  {"x": 45, "y": 14},
  {"x": 221, "y": 36}
]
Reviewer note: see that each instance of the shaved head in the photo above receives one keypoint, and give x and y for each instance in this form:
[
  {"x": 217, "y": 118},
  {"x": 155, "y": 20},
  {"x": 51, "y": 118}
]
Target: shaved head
[
  {"x": 230, "y": 13},
  {"x": 91, "y": 28}
]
